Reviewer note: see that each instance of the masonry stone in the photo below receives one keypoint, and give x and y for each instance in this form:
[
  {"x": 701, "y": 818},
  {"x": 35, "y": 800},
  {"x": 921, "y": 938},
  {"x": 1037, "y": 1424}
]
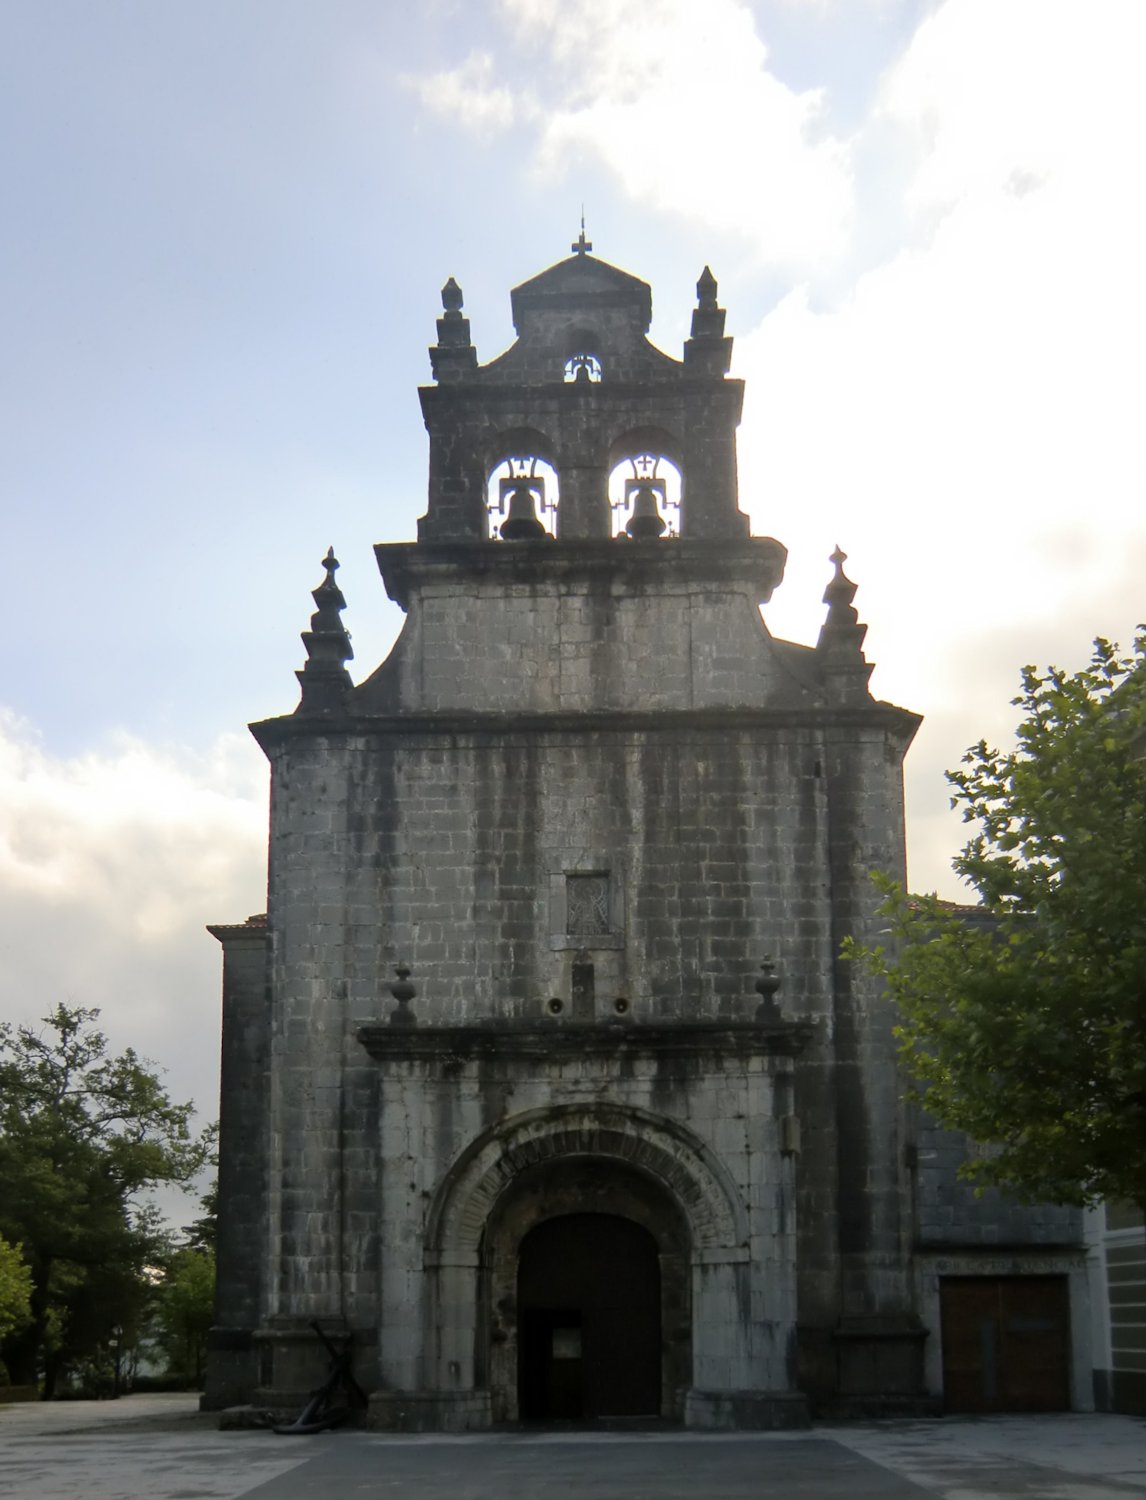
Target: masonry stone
[{"x": 522, "y": 879}]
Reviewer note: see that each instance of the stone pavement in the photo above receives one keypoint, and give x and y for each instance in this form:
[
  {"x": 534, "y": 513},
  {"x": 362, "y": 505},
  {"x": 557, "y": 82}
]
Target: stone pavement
[{"x": 161, "y": 1448}]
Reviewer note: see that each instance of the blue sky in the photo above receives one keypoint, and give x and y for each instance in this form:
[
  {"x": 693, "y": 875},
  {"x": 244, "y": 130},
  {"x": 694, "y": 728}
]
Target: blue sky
[{"x": 226, "y": 228}]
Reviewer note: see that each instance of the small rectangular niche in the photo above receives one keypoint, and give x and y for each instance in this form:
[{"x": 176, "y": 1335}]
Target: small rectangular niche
[
  {"x": 585, "y": 910},
  {"x": 587, "y": 905}
]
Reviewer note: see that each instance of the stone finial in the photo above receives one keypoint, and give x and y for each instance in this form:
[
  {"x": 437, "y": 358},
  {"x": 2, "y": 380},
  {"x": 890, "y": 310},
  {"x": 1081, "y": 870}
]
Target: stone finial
[
  {"x": 841, "y": 590},
  {"x": 453, "y": 356},
  {"x": 840, "y": 646},
  {"x": 324, "y": 679},
  {"x": 403, "y": 992},
  {"x": 707, "y": 352},
  {"x": 767, "y": 986}
]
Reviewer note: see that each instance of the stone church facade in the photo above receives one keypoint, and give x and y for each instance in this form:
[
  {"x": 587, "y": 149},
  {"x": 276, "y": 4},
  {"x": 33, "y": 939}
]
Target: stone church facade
[{"x": 544, "y": 1083}]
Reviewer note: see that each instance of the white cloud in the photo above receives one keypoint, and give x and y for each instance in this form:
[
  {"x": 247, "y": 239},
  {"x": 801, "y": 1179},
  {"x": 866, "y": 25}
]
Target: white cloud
[
  {"x": 966, "y": 420},
  {"x": 111, "y": 864},
  {"x": 1006, "y": 96},
  {"x": 676, "y": 100},
  {"x": 467, "y": 94}
]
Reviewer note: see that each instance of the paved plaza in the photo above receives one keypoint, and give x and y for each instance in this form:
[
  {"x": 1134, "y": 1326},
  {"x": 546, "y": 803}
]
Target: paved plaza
[{"x": 161, "y": 1448}]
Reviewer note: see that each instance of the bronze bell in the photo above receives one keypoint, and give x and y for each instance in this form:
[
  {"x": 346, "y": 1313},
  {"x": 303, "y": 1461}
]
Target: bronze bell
[
  {"x": 646, "y": 522},
  {"x": 521, "y": 523}
]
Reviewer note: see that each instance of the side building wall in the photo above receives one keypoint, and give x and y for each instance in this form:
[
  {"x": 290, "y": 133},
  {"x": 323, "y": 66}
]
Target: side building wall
[{"x": 1116, "y": 1242}]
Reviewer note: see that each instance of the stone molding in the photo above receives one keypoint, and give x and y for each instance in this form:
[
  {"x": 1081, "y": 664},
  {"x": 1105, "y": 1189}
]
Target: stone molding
[
  {"x": 754, "y": 562},
  {"x": 454, "y": 1046},
  {"x": 994, "y": 1260},
  {"x": 502, "y": 727},
  {"x": 679, "y": 1160}
]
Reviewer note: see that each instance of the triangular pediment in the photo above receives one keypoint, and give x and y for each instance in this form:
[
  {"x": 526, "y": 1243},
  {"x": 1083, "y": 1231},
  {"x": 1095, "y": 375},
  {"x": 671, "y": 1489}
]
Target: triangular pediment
[{"x": 581, "y": 281}]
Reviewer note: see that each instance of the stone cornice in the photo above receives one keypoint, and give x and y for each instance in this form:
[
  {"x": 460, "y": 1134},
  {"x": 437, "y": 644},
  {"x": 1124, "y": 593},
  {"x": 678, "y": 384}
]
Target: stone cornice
[
  {"x": 457, "y": 1045},
  {"x": 499, "y": 726},
  {"x": 253, "y": 930},
  {"x": 753, "y": 562},
  {"x": 493, "y": 386}
]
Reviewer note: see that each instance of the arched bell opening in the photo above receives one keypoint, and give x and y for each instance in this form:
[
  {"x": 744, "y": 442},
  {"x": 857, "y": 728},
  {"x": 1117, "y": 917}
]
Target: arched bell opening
[
  {"x": 645, "y": 485},
  {"x": 582, "y": 357},
  {"x": 586, "y": 1270},
  {"x": 583, "y": 368},
  {"x": 644, "y": 497},
  {"x": 522, "y": 499}
]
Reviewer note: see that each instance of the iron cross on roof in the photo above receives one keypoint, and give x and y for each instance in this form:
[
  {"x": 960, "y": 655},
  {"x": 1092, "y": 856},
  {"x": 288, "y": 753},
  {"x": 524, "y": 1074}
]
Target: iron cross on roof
[{"x": 581, "y": 246}]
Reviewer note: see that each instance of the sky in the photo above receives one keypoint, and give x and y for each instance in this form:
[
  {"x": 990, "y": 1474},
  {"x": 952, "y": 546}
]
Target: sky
[{"x": 225, "y": 229}]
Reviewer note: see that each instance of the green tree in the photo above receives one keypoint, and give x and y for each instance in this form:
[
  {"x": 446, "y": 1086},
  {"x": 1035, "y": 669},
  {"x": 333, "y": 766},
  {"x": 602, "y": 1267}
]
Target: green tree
[
  {"x": 185, "y": 1307},
  {"x": 1025, "y": 1026},
  {"x": 203, "y": 1232},
  {"x": 15, "y": 1289},
  {"x": 184, "y": 1302},
  {"x": 84, "y": 1137}
]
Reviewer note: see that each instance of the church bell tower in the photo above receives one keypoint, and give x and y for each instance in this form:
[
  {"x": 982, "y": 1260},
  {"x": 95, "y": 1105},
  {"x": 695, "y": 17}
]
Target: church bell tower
[{"x": 559, "y": 1100}]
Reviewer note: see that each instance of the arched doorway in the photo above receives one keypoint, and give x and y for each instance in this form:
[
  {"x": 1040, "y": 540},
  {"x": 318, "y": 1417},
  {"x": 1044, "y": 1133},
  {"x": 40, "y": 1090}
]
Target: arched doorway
[
  {"x": 570, "y": 1159},
  {"x": 586, "y": 1272},
  {"x": 589, "y": 1319}
]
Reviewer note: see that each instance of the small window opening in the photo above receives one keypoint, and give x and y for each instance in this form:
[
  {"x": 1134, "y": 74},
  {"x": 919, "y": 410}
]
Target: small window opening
[
  {"x": 584, "y": 990},
  {"x": 644, "y": 497},
  {"x": 522, "y": 499},
  {"x": 582, "y": 367}
]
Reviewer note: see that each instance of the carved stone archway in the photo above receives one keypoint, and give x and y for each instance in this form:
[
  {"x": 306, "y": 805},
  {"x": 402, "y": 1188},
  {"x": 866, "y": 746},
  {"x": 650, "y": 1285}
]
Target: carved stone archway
[
  {"x": 663, "y": 1148},
  {"x": 571, "y": 1159}
]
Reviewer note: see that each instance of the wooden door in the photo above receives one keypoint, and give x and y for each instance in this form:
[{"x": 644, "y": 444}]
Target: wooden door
[
  {"x": 1006, "y": 1343},
  {"x": 589, "y": 1319}
]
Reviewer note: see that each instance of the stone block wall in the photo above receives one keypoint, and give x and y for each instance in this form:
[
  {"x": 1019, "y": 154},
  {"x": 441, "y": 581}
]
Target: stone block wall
[
  {"x": 448, "y": 853},
  {"x": 610, "y": 713},
  {"x": 620, "y": 627},
  {"x": 949, "y": 1213}
]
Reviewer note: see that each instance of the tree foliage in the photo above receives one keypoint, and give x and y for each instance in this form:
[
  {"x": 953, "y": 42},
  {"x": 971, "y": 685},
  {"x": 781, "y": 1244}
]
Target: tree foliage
[
  {"x": 15, "y": 1289},
  {"x": 1024, "y": 1022},
  {"x": 183, "y": 1307},
  {"x": 203, "y": 1232},
  {"x": 84, "y": 1137},
  {"x": 184, "y": 1311}
]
